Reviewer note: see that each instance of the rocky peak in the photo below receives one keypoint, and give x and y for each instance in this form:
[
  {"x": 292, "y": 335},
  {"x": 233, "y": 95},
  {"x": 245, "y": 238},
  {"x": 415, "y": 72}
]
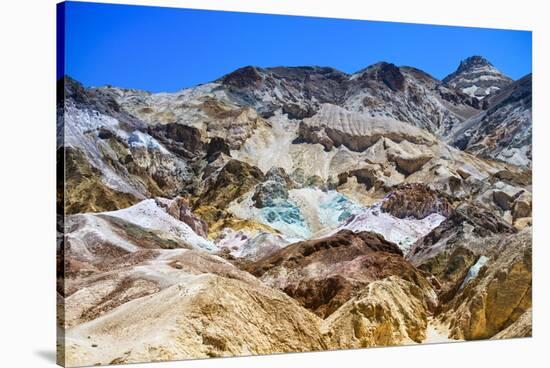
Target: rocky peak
[
  {"x": 70, "y": 88},
  {"x": 472, "y": 62},
  {"x": 477, "y": 77},
  {"x": 387, "y": 73},
  {"x": 296, "y": 90},
  {"x": 243, "y": 77}
]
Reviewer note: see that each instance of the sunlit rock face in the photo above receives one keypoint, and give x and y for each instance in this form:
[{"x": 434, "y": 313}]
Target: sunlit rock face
[
  {"x": 477, "y": 77},
  {"x": 294, "y": 209},
  {"x": 387, "y": 312},
  {"x": 481, "y": 309}
]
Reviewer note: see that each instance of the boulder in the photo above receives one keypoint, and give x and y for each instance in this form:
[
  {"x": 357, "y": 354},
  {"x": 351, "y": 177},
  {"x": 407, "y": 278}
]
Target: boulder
[
  {"x": 521, "y": 207},
  {"x": 408, "y": 158}
]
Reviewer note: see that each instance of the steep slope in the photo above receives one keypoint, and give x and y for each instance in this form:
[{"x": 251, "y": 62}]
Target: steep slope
[
  {"x": 483, "y": 272},
  {"x": 405, "y": 215},
  {"x": 297, "y": 91},
  {"x": 201, "y": 316},
  {"x": 387, "y": 312},
  {"x": 477, "y": 77},
  {"x": 522, "y": 327},
  {"x": 111, "y": 159},
  {"x": 382, "y": 89},
  {"x": 334, "y": 126},
  {"x": 382, "y": 152},
  {"x": 504, "y": 130},
  {"x": 498, "y": 295},
  {"x": 409, "y": 95}
]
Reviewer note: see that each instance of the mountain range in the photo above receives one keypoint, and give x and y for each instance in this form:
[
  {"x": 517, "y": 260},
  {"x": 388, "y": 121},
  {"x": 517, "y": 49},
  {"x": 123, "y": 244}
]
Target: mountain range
[{"x": 292, "y": 209}]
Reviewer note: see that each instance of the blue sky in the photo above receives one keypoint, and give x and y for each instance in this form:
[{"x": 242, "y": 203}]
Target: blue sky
[{"x": 166, "y": 49}]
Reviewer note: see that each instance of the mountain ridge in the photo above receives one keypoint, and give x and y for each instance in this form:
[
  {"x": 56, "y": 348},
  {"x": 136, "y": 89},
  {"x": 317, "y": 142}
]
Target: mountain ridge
[{"x": 332, "y": 210}]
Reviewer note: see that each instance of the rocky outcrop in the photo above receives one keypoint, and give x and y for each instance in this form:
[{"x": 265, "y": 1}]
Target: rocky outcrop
[
  {"x": 450, "y": 250},
  {"x": 408, "y": 164},
  {"x": 179, "y": 209},
  {"x": 299, "y": 90},
  {"x": 228, "y": 183},
  {"x": 334, "y": 126},
  {"x": 387, "y": 73},
  {"x": 416, "y": 200},
  {"x": 522, "y": 206},
  {"x": 409, "y": 95},
  {"x": 215, "y": 148},
  {"x": 234, "y": 125},
  {"x": 323, "y": 274},
  {"x": 222, "y": 186},
  {"x": 182, "y": 140},
  {"x": 84, "y": 191},
  {"x": 274, "y": 188},
  {"x": 382, "y": 89},
  {"x": 465, "y": 223},
  {"x": 522, "y": 327},
  {"x": 387, "y": 312},
  {"x": 124, "y": 160},
  {"x": 498, "y": 296},
  {"x": 247, "y": 77},
  {"x": 504, "y": 130}
]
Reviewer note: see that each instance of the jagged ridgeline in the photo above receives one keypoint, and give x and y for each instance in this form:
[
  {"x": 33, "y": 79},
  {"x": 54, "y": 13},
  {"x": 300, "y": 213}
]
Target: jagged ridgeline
[{"x": 293, "y": 209}]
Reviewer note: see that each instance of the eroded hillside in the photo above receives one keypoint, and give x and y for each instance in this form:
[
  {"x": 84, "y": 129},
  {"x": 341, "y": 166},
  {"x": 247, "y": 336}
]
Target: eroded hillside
[{"x": 294, "y": 209}]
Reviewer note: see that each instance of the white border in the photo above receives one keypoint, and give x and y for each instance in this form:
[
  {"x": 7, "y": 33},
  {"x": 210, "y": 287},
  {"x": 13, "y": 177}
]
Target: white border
[{"x": 27, "y": 210}]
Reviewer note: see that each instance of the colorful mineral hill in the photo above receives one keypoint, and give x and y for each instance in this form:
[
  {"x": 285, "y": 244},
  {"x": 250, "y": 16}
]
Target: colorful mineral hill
[{"x": 279, "y": 209}]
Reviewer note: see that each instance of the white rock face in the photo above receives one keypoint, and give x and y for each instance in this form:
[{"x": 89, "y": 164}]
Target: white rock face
[
  {"x": 474, "y": 270},
  {"x": 80, "y": 131},
  {"x": 403, "y": 232},
  {"x": 250, "y": 245},
  {"x": 92, "y": 229},
  {"x": 335, "y": 126},
  {"x": 150, "y": 216}
]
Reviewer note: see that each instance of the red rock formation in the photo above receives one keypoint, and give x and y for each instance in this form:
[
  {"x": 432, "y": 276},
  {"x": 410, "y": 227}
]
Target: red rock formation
[{"x": 322, "y": 274}]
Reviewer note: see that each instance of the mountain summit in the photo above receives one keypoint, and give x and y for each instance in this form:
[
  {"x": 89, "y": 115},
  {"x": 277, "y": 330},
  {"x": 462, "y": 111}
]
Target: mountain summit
[
  {"x": 477, "y": 77},
  {"x": 473, "y": 62}
]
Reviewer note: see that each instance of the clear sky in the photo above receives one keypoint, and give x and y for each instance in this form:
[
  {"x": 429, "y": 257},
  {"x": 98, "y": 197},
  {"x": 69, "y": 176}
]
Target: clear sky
[{"x": 166, "y": 49}]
